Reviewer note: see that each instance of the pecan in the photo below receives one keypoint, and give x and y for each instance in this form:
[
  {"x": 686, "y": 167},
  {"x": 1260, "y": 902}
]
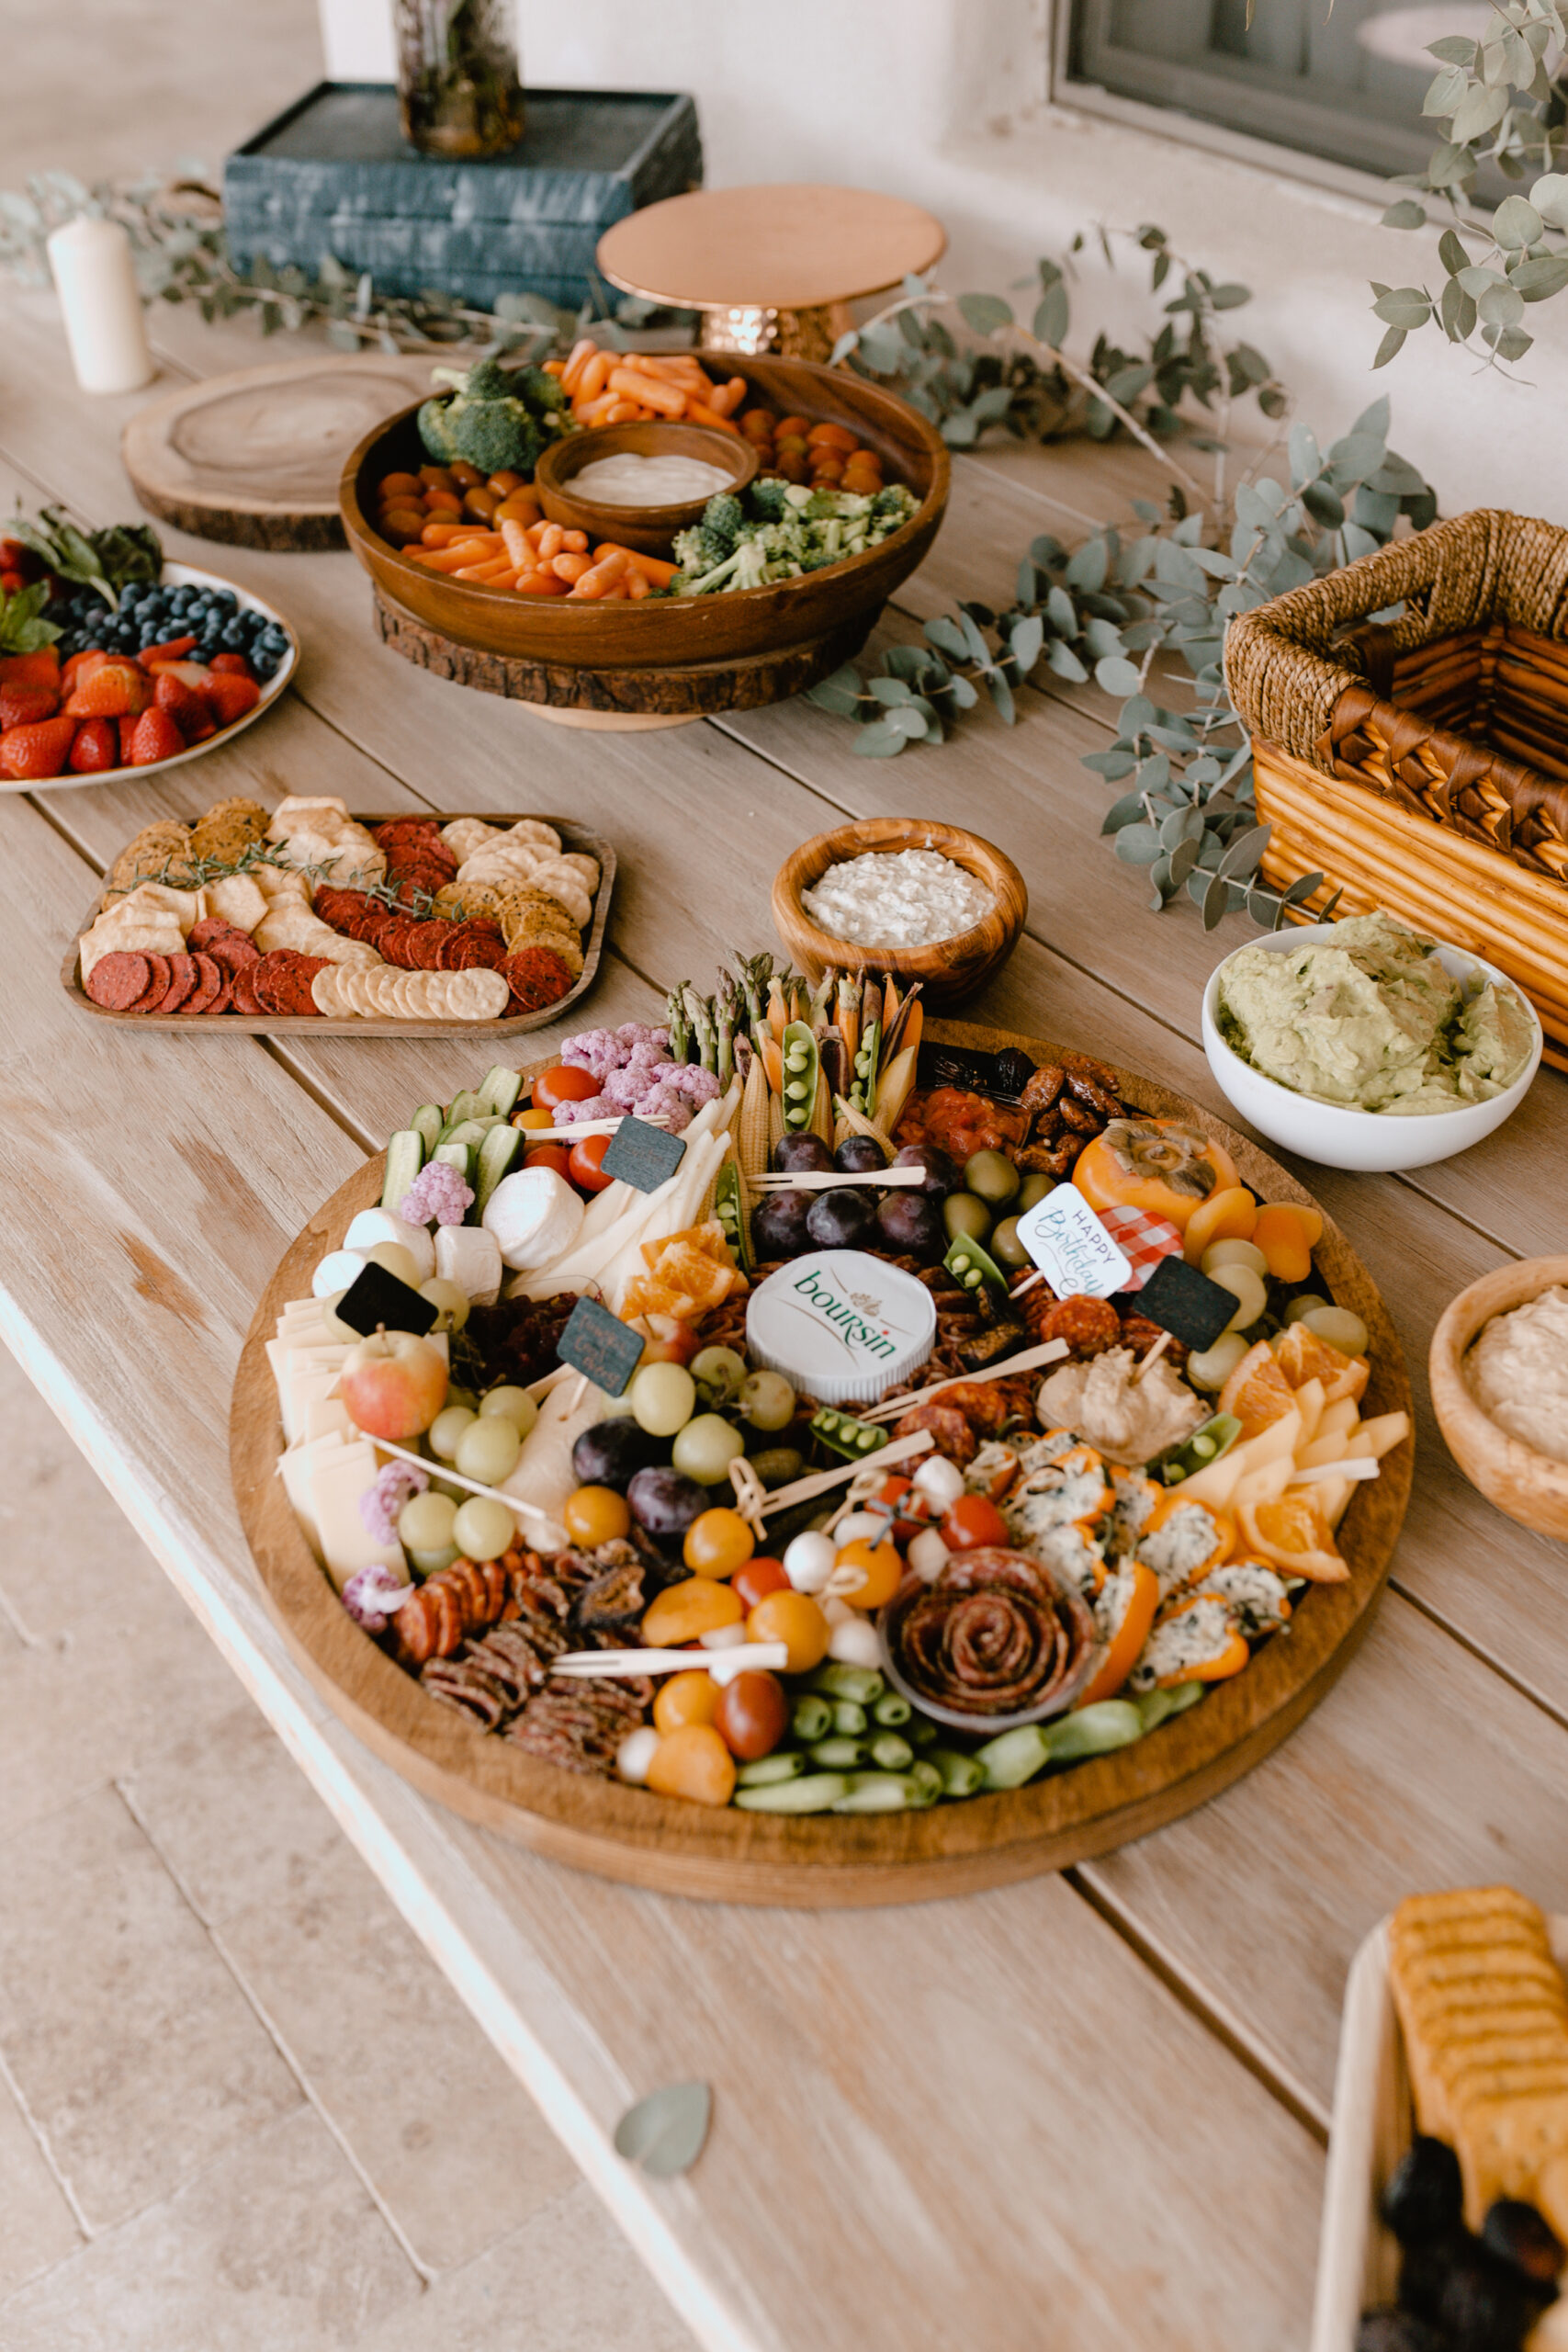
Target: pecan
[
  {"x": 1081, "y": 1120},
  {"x": 1043, "y": 1089},
  {"x": 1099, "y": 1098}
]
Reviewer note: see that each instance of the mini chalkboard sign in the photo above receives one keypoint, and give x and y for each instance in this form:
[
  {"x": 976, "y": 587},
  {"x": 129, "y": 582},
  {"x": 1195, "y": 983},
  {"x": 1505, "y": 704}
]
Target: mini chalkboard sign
[
  {"x": 374, "y": 1298},
  {"x": 643, "y": 1157},
  {"x": 1186, "y": 1303},
  {"x": 600, "y": 1346}
]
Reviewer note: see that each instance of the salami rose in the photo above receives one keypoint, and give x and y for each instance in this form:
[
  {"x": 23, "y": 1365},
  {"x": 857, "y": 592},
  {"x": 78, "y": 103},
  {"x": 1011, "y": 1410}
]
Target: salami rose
[{"x": 995, "y": 1636}]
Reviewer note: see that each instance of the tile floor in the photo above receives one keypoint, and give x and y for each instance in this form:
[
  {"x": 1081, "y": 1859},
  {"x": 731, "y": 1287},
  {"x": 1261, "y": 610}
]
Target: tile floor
[{"x": 240, "y": 2110}]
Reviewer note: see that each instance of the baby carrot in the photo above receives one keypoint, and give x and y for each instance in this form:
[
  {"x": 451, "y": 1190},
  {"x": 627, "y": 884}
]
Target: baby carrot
[
  {"x": 570, "y": 566},
  {"x": 577, "y": 360},
  {"x": 453, "y": 558},
  {"x": 517, "y": 546},
  {"x": 655, "y": 573},
  {"x": 726, "y": 397},
  {"x": 596, "y": 375},
  {"x": 500, "y": 572},
  {"x": 441, "y": 534},
  {"x": 605, "y": 575},
  {"x": 698, "y": 412},
  {"x": 596, "y": 410},
  {"x": 556, "y": 368},
  {"x": 637, "y": 586},
  {"x": 626, "y": 411},
  {"x": 551, "y": 540},
  {"x": 575, "y": 542}
]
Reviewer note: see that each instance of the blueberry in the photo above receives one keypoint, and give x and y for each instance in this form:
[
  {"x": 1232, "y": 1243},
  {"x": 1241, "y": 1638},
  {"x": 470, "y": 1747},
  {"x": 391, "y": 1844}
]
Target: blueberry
[
  {"x": 1424, "y": 2198},
  {"x": 182, "y": 600},
  {"x": 226, "y": 598}
]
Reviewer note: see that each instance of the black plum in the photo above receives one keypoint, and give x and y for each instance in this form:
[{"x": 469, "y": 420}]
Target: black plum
[
  {"x": 859, "y": 1156},
  {"x": 1014, "y": 1069},
  {"x": 942, "y": 1173},
  {"x": 612, "y": 1451},
  {"x": 1487, "y": 2305},
  {"x": 910, "y": 1226},
  {"x": 802, "y": 1156},
  {"x": 664, "y": 1504},
  {"x": 840, "y": 1220},
  {"x": 1424, "y": 2197},
  {"x": 778, "y": 1226}
]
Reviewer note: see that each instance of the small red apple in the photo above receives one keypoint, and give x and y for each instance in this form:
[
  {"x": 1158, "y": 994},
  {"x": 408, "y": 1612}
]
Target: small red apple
[{"x": 394, "y": 1386}]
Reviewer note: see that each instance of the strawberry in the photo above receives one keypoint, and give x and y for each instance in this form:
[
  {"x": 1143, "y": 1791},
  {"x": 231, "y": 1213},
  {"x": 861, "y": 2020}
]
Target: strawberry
[
  {"x": 190, "y": 674},
  {"x": 126, "y": 728},
  {"x": 41, "y": 669},
  {"x": 116, "y": 690},
  {"x": 19, "y": 705},
  {"x": 97, "y": 747},
  {"x": 30, "y": 753},
  {"x": 188, "y": 710},
  {"x": 171, "y": 650},
  {"x": 83, "y": 664},
  {"x": 155, "y": 737},
  {"x": 235, "y": 664},
  {"x": 229, "y": 697}
]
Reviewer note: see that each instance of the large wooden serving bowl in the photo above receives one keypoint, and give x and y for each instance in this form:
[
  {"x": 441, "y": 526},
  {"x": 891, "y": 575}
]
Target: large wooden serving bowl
[
  {"x": 831, "y": 604},
  {"x": 951, "y": 968},
  {"x": 1531, "y": 1486},
  {"x": 736, "y": 1857}
]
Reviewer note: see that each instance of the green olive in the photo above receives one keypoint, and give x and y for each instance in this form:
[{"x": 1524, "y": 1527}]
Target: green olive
[
  {"x": 1006, "y": 1246},
  {"x": 1033, "y": 1189},
  {"x": 966, "y": 1217},
  {"x": 992, "y": 1175}
]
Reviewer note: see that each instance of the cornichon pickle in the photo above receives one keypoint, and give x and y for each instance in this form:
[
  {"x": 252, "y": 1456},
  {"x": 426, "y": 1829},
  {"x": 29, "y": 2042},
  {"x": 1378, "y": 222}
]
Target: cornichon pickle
[{"x": 971, "y": 1266}]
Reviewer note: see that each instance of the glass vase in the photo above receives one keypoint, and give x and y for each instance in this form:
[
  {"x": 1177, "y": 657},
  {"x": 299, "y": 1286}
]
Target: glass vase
[{"x": 458, "y": 83}]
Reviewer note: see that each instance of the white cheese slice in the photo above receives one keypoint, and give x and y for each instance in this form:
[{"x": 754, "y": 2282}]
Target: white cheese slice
[
  {"x": 534, "y": 1217},
  {"x": 339, "y": 1475},
  {"x": 470, "y": 1257},
  {"x": 294, "y": 1467},
  {"x": 329, "y": 1417},
  {"x": 336, "y": 1270},
  {"x": 380, "y": 1225}
]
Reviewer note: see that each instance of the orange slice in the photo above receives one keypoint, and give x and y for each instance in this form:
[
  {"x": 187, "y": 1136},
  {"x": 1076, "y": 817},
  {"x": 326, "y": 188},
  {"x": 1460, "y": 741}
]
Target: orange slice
[
  {"x": 1258, "y": 1391},
  {"x": 1302, "y": 1356},
  {"x": 1293, "y": 1535}
]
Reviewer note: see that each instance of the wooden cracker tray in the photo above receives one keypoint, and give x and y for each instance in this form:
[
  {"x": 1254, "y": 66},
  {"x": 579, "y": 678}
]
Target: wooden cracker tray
[{"x": 573, "y": 837}]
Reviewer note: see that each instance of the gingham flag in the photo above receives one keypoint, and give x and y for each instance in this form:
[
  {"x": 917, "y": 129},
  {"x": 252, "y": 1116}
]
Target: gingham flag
[{"x": 1143, "y": 1240}]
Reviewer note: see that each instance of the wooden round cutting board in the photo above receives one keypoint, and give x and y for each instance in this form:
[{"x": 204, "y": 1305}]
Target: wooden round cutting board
[
  {"x": 255, "y": 459},
  {"x": 824, "y": 1859}
]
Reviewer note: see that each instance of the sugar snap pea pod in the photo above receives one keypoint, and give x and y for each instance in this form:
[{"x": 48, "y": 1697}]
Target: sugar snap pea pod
[
  {"x": 801, "y": 1063},
  {"x": 890, "y": 1753},
  {"x": 862, "y": 1093},
  {"x": 729, "y": 1209},
  {"x": 960, "y": 1775},
  {"x": 891, "y": 1710},
  {"x": 973, "y": 1267},
  {"x": 1208, "y": 1442},
  {"x": 926, "y": 1780},
  {"x": 848, "y": 1718},
  {"x": 765, "y": 1772},
  {"x": 1094, "y": 1731},
  {"x": 1014, "y": 1756},
  {"x": 863, "y": 1684},
  {"x": 838, "y": 1755},
  {"x": 1185, "y": 1695},
  {"x": 842, "y": 1434},
  {"x": 813, "y": 1717},
  {"x": 880, "y": 1793},
  {"x": 818, "y": 1792}
]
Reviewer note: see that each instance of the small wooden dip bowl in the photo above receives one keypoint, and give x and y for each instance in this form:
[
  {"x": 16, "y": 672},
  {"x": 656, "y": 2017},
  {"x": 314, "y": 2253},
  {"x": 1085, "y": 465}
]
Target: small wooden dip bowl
[
  {"x": 948, "y": 968},
  {"x": 651, "y": 529},
  {"x": 1529, "y": 1487}
]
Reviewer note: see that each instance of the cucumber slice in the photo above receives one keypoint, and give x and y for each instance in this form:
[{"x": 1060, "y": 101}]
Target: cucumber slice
[
  {"x": 497, "y": 1154},
  {"x": 458, "y": 1156},
  {"x": 405, "y": 1157},
  {"x": 499, "y": 1090},
  {"x": 427, "y": 1123},
  {"x": 464, "y": 1105},
  {"x": 468, "y": 1131}
]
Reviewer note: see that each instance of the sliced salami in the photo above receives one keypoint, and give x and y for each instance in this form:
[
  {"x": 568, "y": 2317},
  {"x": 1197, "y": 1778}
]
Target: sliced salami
[
  {"x": 269, "y": 979},
  {"x": 117, "y": 981},
  {"x": 245, "y": 1001},
  {"x": 157, "y": 987},
  {"x": 295, "y": 986},
  {"x": 183, "y": 977},
  {"x": 235, "y": 951},
  {"x": 208, "y": 986},
  {"x": 201, "y": 934}
]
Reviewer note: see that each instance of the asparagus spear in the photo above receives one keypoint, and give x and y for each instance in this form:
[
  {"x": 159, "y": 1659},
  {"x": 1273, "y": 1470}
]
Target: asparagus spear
[
  {"x": 678, "y": 1025},
  {"x": 700, "y": 1010},
  {"x": 726, "y": 1005}
]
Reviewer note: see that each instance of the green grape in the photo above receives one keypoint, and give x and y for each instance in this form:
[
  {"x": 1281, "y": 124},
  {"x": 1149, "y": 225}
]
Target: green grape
[
  {"x": 424, "y": 1523},
  {"x": 704, "y": 1449},
  {"x": 482, "y": 1529},
  {"x": 487, "y": 1449},
  {"x": 1249, "y": 1290},
  {"x": 514, "y": 1405},
  {"x": 661, "y": 1397},
  {"x": 449, "y": 1299},
  {"x": 1234, "y": 1253},
  {"x": 1309, "y": 1303},
  {"x": 991, "y": 1176},
  {"x": 1339, "y": 1327},
  {"x": 425, "y": 1563},
  {"x": 768, "y": 1400},
  {"x": 719, "y": 1373},
  {"x": 446, "y": 1428},
  {"x": 396, "y": 1259},
  {"x": 1212, "y": 1367}
]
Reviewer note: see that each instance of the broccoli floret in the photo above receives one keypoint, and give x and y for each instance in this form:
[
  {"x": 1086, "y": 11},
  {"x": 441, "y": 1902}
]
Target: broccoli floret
[
  {"x": 485, "y": 421},
  {"x": 821, "y": 504},
  {"x": 542, "y": 392},
  {"x": 768, "y": 498},
  {"x": 435, "y": 432},
  {"x": 487, "y": 379},
  {"x": 724, "y": 517},
  {"x": 893, "y": 505}
]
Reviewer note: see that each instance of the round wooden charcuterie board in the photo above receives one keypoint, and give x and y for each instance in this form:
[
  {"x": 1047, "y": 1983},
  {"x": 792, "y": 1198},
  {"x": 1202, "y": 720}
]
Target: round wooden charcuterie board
[{"x": 826, "y": 1860}]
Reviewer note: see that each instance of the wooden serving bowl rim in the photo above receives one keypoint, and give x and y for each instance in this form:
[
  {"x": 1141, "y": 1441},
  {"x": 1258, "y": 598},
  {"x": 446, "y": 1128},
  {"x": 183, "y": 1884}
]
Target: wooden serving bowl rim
[
  {"x": 553, "y": 477},
  {"x": 978, "y": 857},
  {"x": 1488, "y": 1455}
]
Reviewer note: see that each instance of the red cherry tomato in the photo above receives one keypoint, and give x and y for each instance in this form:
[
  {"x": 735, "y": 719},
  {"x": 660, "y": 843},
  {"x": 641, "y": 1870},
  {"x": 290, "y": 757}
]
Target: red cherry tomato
[
  {"x": 752, "y": 1715},
  {"x": 563, "y": 1084},
  {"x": 586, "y": 1171},
  {"x": 758, "y": 1577},
  {"x": 896, "y": 1491},
  {"x": 972, "y": 1522},
  {"x": 550, "y": 1155}
]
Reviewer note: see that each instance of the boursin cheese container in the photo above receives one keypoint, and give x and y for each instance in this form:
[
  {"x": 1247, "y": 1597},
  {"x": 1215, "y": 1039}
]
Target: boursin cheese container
[{"x": 840, "y": 1326}]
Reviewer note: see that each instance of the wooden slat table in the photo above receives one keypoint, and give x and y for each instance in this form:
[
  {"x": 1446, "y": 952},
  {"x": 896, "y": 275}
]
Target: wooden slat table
[{"x": 1089, "y": 2110}]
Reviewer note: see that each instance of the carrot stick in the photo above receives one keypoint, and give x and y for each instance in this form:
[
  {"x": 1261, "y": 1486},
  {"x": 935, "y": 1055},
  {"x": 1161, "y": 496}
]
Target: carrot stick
[
  {"x": 517, "y": 546},
  {"x": 571, "y": 567},
  {"x": 772, "y": 1060},
  {"x": 574, "y": 542},
  {"x": 571, "y": 373},
  {"x": 634, "y": 386},
  {"x": 698, "y": 412},
  {"x": 657, "y": 573},
  {"x": 596, "y": 375}
]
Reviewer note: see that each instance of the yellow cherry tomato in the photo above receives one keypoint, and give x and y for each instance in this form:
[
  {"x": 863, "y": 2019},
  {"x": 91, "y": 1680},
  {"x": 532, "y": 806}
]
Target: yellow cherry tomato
[
  {"x": 596, "y": 1515},
  {"x": 718, "y": 1543},
  {"x": 792, "y": 1618},
  {"x": 682, "y": 1612},
  {"x": 692, "y": 1763},
  {"x": 686, "y": 1699},
  {"x": 532, "y": 1120},
  {"x": 880, "y": 1569}
]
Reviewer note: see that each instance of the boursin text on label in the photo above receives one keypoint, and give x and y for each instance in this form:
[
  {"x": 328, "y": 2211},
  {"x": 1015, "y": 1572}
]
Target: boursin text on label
[{"x": 833, "y": 1309}]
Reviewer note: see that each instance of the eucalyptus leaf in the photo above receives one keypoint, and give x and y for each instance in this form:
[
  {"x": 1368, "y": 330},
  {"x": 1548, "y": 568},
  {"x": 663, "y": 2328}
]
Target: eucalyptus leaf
[
  {"x": 1116, "y": 675},
  {"x": 1088, "y": 566},
  {"x": 1139, "y": 845},
  {"x": 664, "y": 2132},
  {"x": 1216, "y": 902},
  {"x": 948, "y": 638},
  {"x": 1516, "y": 223},
  {"x": 1406, "y": 214},
  {"x": 879, "y": 740},
  {"x": 1061, "y": 612},
  {"x": 986, "y": 314},
  {"x": 1128, "y": 810}
]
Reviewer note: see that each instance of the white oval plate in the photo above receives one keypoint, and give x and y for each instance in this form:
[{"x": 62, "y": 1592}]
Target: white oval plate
[{"x": 186, "y": 576}]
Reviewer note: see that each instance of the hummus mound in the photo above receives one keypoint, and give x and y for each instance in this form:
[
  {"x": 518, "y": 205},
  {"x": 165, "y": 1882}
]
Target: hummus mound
[
  {"x": 1127, "y": 1425},
  {"x": 1517, "y": 1370}
]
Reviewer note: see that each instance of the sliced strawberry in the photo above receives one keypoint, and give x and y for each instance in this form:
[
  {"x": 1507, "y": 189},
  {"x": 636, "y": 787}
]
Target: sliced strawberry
[
  {"x": 235, "y": 665},
  {"x": 126, "y": 728},
  {"x": 190, "y": 711},
  {"x": 39, "y": 669},
  {"x": 155, "y": 737},
  {"x": 172, "y": 650},
  {"x": 97, "y": 747},
  {"x": 190, "y": 674},
  {"x": 117, "y": 690},
  {"x": 28, "y": 754},
  {"x": 19, "y": 705},
  {"x": 229, "y": 697},
  {"x": 82, "y": 665}
]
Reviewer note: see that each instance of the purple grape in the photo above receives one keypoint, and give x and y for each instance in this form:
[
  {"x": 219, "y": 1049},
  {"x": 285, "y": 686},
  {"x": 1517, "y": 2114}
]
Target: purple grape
[
  {"x": 859, "y": 1156},
  {"x": 803, "y": 1156},
  {"x": 910, "y": 1226},
  {"x": 778, "y": 1225},
  {"x": 943, "y": 1174},
  {"x": 664, "y": 1503},
  {"x": 612, "y": 1452},
  {"x": 840, "y": 1220}
]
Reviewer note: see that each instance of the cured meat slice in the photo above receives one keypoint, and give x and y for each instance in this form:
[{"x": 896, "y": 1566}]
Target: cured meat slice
[
  {"x": 995, "y": 1634},
  {"x": 208, "y": 986},
  {"x": 119, "y": 980},
  {"x": 295, "y": 986},
  {"x": 233, "y": 950},
  {"x": 183, "y": 978},
  {"x": 157, "y": 987},
  {"x": 245, "y": 999},
  {"x": 269, "y": 976}
]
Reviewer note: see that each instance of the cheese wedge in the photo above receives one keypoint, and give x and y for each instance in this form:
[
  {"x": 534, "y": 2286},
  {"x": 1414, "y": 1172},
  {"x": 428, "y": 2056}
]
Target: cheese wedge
[{"x": 339, "y": 1474}]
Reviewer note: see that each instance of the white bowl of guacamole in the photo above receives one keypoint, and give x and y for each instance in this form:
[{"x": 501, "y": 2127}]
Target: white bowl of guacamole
[{"x": 1366, "y": 1045}]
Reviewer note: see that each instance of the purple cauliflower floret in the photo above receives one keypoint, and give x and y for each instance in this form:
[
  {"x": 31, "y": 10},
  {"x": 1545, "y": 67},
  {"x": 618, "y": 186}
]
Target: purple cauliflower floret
[
  {"x": 697, "y": 1085},
  {"x": 625, "y": 1088},
  {"x": 373, "y": 1595},
  {"x": 380, "y": 1504},
  {"x": 592, "y": 1106},
  {"x": 603, "y": 1050},
  {"x": 665, "y": 1101},
  {"x": 438, "y": 1192}
]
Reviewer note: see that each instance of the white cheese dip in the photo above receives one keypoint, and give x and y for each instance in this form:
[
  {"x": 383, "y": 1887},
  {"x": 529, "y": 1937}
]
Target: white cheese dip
[
  {"x": 1518, "y": 1370},
  {"x": 627, "y": 480},
  {"x": 911, "y": 898}
]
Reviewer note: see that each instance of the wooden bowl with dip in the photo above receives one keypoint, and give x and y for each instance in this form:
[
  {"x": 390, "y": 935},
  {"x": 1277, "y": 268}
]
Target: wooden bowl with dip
[
  {"x": 649, "y": 529},
  {"x": 1529, "y": 1487},
  {"x": 948, "y": 969}
]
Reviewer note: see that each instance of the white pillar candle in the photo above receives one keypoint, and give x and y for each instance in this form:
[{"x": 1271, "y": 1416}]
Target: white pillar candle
[{"x": 99, "y": 295}]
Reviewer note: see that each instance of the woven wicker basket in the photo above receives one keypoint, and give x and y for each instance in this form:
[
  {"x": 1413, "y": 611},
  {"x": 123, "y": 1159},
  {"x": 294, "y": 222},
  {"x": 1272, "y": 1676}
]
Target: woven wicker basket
[{"x": 1422, "y": 764}]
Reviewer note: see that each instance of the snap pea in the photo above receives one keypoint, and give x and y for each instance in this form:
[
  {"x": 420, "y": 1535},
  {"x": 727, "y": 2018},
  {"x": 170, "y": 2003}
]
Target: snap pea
[
  {"x": 813, "y": 1717},
  {"x": 1014, "y": 1756},
  {"x": 862, "y": 1092},
  {"x": 891, "y": 1710},
  {"x": 862, "y": 1683},
  {"x": 842, "y": 1433},
  {"x": 972, "y": 1266},
  {"x": 816, "y": 1794},
  {"x": 891, "y": 1753},
  {"x": 848, "y": 1718},
  {"x": 960, "y": 1775},
  {"x": 922, "y": 1731},
  {"x": 766, "y": 1771},
  {"x": 882, "y": 1792},
  {"x": 838, "y": 1755},
  {"x": 1093, "y": 1731},
  {"x": 801, "y": 1062},
  {"x": 1208, "y": 1442}
]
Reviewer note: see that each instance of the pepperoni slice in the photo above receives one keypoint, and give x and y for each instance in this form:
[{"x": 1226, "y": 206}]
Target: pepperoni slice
[
  {"x": 208, "y": 986},
  {"x": 295, "y": 986},
  {"x": 157, "y": 987},
  {"x": 245, "y": 999},
  {"x": 115, "y": 982},
  {"x": 201, "y": 934},
  {"x": 427, "y": 943},
  {"x": 235, "y": 951},
  {"x": 183, "y": 978},
  {"x": 269, "y": 979}
]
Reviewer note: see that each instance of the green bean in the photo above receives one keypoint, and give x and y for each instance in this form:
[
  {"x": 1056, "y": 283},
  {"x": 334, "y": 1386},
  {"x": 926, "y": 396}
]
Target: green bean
[
  {"x": 815, "y": 1794},
  {"x": 1094, "y": 1731},
  {"x": 926, "y": 1780},
  {"x": 837, "y": 1755},
  {"x": 766, "y": 1771},
  {"x": 848, "y": 1718},
  {"x": 861, "y": 1683},
  {"x": 880, "y": 1792},
  {"x": 961, "y": 1774},
  {"x": 891, "y": 1710},
  {"x": 1014, "y": 1756},
  {"x": 813, "y": 1717},
  {"x": 891, "y": 1753}
]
